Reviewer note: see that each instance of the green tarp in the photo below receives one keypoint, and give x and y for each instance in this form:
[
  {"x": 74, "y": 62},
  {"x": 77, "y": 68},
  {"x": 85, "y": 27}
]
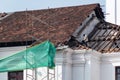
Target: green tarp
[{"x": 41, "y": 55}]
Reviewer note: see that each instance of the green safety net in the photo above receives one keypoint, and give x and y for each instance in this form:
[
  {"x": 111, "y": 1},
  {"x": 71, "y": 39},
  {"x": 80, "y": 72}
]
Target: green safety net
[{"x": 41, "y": 55}]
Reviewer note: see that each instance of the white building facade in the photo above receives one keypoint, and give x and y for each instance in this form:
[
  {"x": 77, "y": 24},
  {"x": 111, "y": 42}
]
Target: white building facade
[{"x": 73, "y": 65}]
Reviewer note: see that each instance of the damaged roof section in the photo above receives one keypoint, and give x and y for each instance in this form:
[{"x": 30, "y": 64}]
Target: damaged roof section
[
  {"x": 62, "y": 26},
  {"x": 105, "y": 37}
]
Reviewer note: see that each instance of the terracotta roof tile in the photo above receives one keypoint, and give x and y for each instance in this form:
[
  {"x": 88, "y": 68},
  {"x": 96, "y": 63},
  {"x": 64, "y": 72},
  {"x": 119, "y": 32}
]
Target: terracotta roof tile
[{"x": 56, "y": 24}]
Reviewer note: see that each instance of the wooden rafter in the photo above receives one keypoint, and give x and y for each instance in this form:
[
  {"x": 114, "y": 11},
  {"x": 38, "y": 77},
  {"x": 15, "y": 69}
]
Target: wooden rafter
[
  {"x": 107, "y": 40},
  {"x": 102, "y": 46},
  {"x": 94, "y": 36}
]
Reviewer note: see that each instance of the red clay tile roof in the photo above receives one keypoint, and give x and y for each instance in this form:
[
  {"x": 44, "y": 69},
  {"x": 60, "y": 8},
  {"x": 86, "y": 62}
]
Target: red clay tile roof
[{"x": 56, "y": 24}]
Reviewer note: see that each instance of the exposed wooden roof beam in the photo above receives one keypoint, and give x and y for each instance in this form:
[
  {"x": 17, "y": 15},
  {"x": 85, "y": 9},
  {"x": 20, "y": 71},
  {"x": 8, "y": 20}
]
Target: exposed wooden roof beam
[
  {"x": 104, "y": 39},
  {"x": 93, "y": 45},
  {"x": 97, "y": 32},
  {"x": 106, "y": 50},
  {"x": 112, "y": 40},
  {"x": 100, "y": 46},
  {"x": 117, "y": 45},
  {"x": 114, "y": 28}
]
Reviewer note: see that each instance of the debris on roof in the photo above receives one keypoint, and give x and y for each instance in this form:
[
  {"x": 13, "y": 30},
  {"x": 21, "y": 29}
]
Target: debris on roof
[{"x": 3, "y": 14}]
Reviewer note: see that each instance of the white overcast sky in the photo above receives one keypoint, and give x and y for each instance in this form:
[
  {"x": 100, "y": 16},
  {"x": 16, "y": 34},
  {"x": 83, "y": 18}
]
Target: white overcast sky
[{"x": 21, "y": 5}]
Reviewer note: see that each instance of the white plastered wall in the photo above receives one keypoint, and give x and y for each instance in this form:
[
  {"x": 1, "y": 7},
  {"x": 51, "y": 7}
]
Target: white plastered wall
[
  {"x": 78, "y": 64},
  {"x": 108, "y": 64}
]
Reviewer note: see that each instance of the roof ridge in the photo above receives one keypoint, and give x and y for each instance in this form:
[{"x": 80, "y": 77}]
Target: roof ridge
[{"x": 96, "y": 4}]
